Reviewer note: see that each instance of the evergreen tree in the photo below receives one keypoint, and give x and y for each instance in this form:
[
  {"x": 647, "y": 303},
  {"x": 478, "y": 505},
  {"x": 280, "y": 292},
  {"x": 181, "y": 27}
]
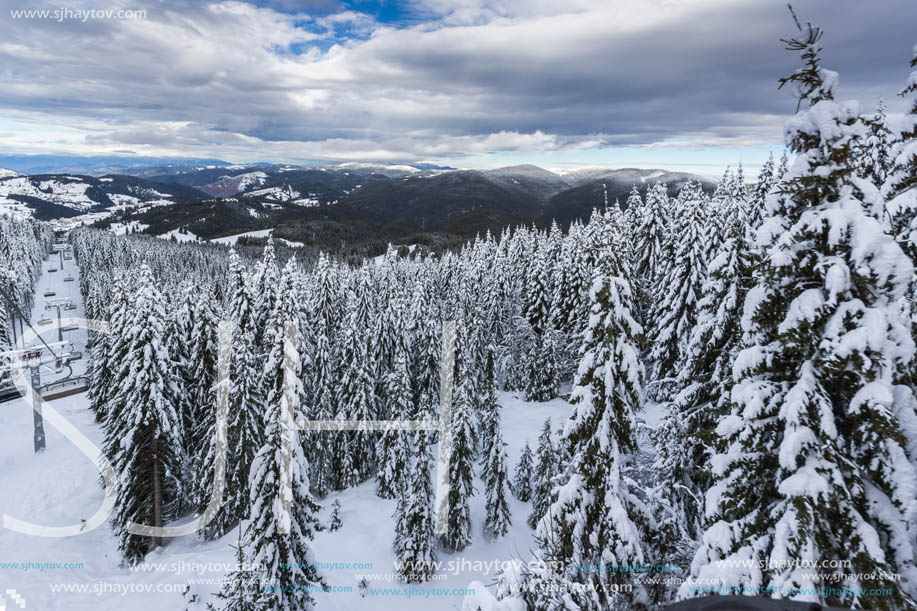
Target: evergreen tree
[
  {"x": 142, "y": 427},
  {"x": 240, "y": 591},
  {"x": 414, "y": 518},
  {"x": 597, "y": 519},
  {"x": 393, "y": 445},
  {"x": 525, "y": 474},
  {"x": 497, "y": 519},
  {"x": 651, "y": 234},
  {"x": 287, "y": 560},
  {"x": 545, "y": 470},
  {"x": 353, "y": 460},
  {"x": 461, "y": 470},
  {"x": 201, "y": 367},
  {"x": 813, "y": 425},
  {"x": 264, "y": 292},
  {"x": 678, "y": 289},
  {"x": 874, "y": 152}
]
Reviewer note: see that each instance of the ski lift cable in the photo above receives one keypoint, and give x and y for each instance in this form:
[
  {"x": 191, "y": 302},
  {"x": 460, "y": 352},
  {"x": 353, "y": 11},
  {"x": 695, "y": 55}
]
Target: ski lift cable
[{"x": 15, "y": 308}]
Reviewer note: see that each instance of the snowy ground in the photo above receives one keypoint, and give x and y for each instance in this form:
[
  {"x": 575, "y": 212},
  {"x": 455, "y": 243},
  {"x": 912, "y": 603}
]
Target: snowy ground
[{"x": 61, "y": 487}]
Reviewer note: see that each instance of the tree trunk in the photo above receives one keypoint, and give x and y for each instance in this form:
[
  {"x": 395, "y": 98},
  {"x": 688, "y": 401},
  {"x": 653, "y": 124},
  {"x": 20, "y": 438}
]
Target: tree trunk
[{"x": 157, "y": 499}]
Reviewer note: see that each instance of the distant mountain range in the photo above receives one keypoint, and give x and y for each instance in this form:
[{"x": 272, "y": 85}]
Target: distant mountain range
[{"x": 352, "y": 206}]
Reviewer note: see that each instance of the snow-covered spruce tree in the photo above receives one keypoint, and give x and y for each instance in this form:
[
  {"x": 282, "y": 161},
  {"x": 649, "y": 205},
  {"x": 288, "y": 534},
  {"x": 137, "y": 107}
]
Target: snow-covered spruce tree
[
  {"x": 677, "y": 289},
  {"x": 813, "y": 471},
  {"x": 651, "y": 234},
  {"x": 414, "y": 518},
  {"x": 353, "y": 459},
  {"x": 323, "y": 390},
  {"x": 685, "y": 437},
  {"x": 545, "y": 470},
  {"x": 287, "y": 560},
  {"x": 461, "y": 460},
  {"x": 201, "y": 367},
  {"x": 244, "y": 437},
  {"x": 497, "y": 519},
  {"x": 319, "y": 444},
  {"x": 239, "y": 295},
  {"x": 490, "y": 409},
  {"x": 873, "y": 155},
  {"x": 543, "y": 380},
  {"x": 180, "y": 321},
  {"x": 493, "y": 468},
  {"x": 264, "y": 292},
  {"x": 393, "y": 449},
  {"x": 597, "y": 519},
  {"x": 143, "y": 430},
  {"x": 524, "y": 475},
  {"x": 240, "y": 591},
  {"x": 900, "y": 190},
  {"x": 109, "y": 349},
  {"x": 754, "y": 209}
]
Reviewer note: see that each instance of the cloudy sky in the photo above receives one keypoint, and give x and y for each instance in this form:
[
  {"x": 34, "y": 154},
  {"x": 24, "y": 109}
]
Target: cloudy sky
[{"x": 468, "y": 83}]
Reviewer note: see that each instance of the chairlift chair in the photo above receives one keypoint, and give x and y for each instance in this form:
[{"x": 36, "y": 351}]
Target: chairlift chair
[
  {"x": 68, "y": 279},
  {"x": 50, "y": 294},
  {"x": 44, "y": 321},
  {"x": 69, "y": 327},
  {"x": 51, "y": 270}
]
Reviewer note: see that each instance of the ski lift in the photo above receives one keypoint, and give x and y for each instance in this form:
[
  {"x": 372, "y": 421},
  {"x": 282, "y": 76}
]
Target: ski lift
[
  {"x": 70, "y": 306},
  {"x": 50, "y": 294},
  {"x": 69, "y": 328},
  {"x": 67, "y": 256},
  {"x": 44, "y": 321},
  {"x": 68, "y": 279},
  {"x": 51, "y": 270}
]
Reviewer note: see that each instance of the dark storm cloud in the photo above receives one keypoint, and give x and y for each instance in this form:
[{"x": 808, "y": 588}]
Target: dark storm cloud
[{"x": 244, "y": 75}]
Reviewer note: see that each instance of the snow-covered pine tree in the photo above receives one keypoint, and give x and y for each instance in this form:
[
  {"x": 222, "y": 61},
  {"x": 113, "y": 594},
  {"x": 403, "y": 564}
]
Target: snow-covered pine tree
[
  {"x": 497, "y": 519},
  {"x": 873, "y": 155},
  {"x": 651, "y": 234},
  {"x": 545, "y": 470},
  {"x": 353, "y": 459},
  {"x": 392, "y": 452},
  {"x": 900, "y": 191},
  {"x": 524, "y": 474},
  {"x": 143, "y": 429},
  {"x": 240, "y": 591},
  {"x": 286, "y": 558},
  {"x": 461, "y": 459},
  {"x": 542, "y": 380},
  {"x": 264, "y": 293},
  {"x": 493, "y": 467},
  {"x": 414, "y": 518},
  {"x": 597, "y": 519},
  {"x": 813, "y": 426},
  {"x": 685, "y": 437},
  {"x": 677, "y": 289},
  {"x": 239, "y": 294},
  {"x": 244, "y": 437},
  {"x": 180, "y": 321},
  {"x": 490, "y": 409},
  {"x": 754, "y": 210},
  {"x": 319, "y": 444},
  {"x": 201, "y": 367}
]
